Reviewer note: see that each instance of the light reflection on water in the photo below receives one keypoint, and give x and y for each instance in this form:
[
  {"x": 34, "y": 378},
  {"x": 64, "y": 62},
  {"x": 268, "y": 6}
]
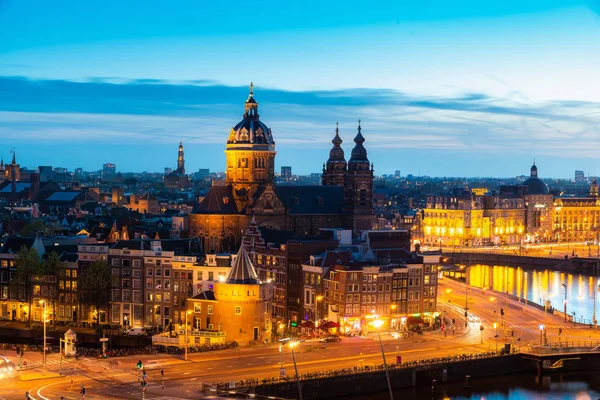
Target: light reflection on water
[
  {"x": 537, "y": 285},
  {"x": 511, "y": 387}
]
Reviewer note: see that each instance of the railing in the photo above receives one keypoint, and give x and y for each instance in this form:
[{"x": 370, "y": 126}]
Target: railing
[
  {"x": 583, "y": 346},
  {"x": 158, "y": 339},
  {"x": 424, "y": 363},
  {"x": 207, "y": 333}
]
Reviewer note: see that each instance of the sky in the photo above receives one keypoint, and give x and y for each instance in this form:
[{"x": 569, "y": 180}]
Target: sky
[{"x": 462, "y": 88}]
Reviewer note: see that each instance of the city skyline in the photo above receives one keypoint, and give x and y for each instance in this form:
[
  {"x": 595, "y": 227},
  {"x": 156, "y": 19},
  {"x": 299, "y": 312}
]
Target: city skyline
[{"x": 467, "y": 90}]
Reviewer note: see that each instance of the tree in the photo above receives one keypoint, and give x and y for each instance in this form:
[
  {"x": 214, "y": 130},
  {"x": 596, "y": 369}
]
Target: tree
[
  {"x": 37, "y": 226},
  {"x": 27, "y": 263},
  {"x": 94, "y": 287},
  {"x": 52, "y": 266}
]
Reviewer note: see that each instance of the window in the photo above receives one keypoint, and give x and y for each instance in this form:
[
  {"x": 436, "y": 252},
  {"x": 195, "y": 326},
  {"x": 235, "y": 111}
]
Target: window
[
  {"x": 126, "y": 283},
  {"x": 210, "y": 310},
  {"x": 37, "y": 290},
  {"x": 137, "y": 273},
  {"x": 199, "y": 275},
  {"x": 137, "y": 296},
  {"x": 126, "y": 296},
  {"x": 158, "y": 272},
  {"x": 127, "y": 263},
  {"x": 166, "y": 297},
  {"x": 197, "y": 307},
  {"x": 116, "y": 295},
  {"x": 115, "y": 262},
  {"x": 137, "y": 263},
  {"x": 211, "y": 276},
  {"x": 238, "y": 310},
  {"x": 167, "y": 284},
  {"x": 136, "y": 284},
  {"x": 149, "y": 272},
  {"x": 167, "y": 272}
]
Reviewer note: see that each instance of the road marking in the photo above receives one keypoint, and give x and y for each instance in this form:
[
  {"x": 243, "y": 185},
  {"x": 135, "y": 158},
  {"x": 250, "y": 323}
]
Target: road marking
[
  {"x": 229, "y": 366},
  {"x": 186, "y": 373},
  {"x": 209, "y": 368}
]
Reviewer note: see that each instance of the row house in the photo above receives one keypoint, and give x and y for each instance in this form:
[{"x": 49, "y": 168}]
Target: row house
[
  {"x": 269, "y": 260},
  {"x": 87, "y": 254},
  {"x": 151, "y": 281},
  {"x": 399, "y": 293},
  {"x": 14, "y": 299},
  {"x": 215, "y": 268}
]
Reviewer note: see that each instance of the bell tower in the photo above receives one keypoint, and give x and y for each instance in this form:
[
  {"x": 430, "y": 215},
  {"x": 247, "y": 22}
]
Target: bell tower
[
  {"x": 180, "y": 160},
  {"x": 335, "y": 168},
  {"x": 250, "y": 154},
  {"x": 358, "y": 188}
]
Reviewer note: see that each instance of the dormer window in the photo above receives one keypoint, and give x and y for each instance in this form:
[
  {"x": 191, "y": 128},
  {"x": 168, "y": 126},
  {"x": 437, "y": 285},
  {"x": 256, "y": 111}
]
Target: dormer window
[{"x": 225, "y": 200}]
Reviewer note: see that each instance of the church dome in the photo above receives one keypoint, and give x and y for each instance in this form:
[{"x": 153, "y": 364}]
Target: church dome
[
  {"x": 336, "y": 154},
  {"x": 251, "y": 130},
  {"x": 534, "y": 184},
  {"x": 359, "y": 153}
]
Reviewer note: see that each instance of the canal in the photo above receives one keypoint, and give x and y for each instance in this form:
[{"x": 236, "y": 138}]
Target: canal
[{"x": 555, "y": 288}]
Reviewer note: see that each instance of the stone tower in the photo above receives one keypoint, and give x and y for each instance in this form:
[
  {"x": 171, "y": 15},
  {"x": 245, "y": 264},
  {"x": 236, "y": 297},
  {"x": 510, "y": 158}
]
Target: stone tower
[
  {"x": 335, "y": 168},
  {"x": 358, "y": 188},
  {"x": 594, "y": 189},
  {"x": 250, "y": 155},
  {"x": 180, "y": 161}
]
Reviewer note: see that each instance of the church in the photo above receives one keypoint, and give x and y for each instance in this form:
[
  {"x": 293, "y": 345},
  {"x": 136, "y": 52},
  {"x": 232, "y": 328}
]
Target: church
[{"x": 344, "y": 200}]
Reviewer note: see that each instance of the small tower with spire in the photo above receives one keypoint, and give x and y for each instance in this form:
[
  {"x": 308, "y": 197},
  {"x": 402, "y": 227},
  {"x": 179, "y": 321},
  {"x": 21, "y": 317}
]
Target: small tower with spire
[
  {"x": 180, "y": 160},
  {"x": 358, "y": 188},
  {"x": 335, "y": 168},
  {"x": 594, "y": 189}
]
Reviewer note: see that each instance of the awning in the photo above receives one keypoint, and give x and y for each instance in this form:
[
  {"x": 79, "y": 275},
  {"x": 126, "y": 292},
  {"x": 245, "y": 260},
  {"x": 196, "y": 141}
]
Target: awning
[
  {"x": 307, "y": 324},
  {"x": 329, "y": 325}
]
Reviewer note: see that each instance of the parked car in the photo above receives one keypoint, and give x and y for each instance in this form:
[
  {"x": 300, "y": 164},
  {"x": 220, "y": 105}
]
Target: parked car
[
  {"x": 152, "y": 365},
  {"x": 136, "y": 331},
  {"x": 332, "y": 338}
]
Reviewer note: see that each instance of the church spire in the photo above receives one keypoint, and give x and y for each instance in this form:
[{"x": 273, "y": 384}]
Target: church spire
[
  {"x": 359, "y": 153},
  {"x": 180, "y": 160},
  {"x": 336, "y": 153}
]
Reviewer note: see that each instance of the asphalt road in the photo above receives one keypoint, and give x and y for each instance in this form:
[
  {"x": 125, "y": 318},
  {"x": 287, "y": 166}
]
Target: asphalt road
[{"x": 184, "y": 379}]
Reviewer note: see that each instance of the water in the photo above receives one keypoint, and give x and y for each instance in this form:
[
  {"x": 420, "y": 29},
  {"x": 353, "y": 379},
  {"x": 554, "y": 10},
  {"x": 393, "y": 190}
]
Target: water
[
  {"x": 540, "y": 285},
  {"x": 513, "y": 387}
]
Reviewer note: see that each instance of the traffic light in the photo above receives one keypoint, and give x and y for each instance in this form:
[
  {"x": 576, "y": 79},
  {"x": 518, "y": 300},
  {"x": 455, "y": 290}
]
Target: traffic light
[
  {"x": 139, "y": 364},
  {"x": 502, "y": 312},
  {"x": 466, "y": 314},
  {"x": 294, "y": 324},
  {"x": 560, "y": 331}
]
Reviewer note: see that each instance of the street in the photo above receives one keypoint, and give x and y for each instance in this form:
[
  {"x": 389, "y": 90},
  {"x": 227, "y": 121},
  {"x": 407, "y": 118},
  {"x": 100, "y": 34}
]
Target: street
[{"x": 519, "y": 326}]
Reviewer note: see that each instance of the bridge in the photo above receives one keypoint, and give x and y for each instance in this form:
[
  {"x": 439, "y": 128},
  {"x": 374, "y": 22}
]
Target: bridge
[{"x": 564, "y": 355}]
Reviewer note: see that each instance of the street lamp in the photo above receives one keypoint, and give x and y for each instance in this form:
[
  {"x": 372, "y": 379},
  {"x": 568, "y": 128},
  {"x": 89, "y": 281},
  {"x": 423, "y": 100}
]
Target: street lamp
[
  {"x": 377, "y": 324},
  {"x": 292, "y": 345},
  {"x": 444, "y": 307},
  {"x": 542, "y": 328},
  {"x": 317, "y": 310},
  {"x": 392, "y": 308},
  {"x": 496, "y": 329},
  {"x": 43, "y": 302},
  {"x": 565, "y": 301},
  {"x": 186, "y": 334}
]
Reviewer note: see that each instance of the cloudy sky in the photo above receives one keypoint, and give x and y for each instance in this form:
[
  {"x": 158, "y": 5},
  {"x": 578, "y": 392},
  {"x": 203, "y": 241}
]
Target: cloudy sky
[{"x": 463, "y": 88}]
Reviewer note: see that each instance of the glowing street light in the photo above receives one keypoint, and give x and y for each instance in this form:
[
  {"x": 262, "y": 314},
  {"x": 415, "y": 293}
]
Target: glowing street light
[
  {"x": 186, "y": 334},
  {"x": 317, "y": 310},
  {"x": 43, "y": 302}
]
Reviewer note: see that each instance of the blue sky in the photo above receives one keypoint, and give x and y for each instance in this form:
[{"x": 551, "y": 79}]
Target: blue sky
[{"x": 443, "y": 88}]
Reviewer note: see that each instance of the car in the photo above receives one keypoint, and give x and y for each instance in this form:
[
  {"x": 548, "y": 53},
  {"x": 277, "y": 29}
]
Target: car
[
  {"x": 7, "y": 368},
  {"x": 152, "y": 365},
  {"x": 332, "y": 338},
  {"x": 136, "y": 331}
]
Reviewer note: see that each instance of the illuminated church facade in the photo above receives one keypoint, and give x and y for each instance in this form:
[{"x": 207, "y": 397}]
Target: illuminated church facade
[{"x": 344, "y": 200}]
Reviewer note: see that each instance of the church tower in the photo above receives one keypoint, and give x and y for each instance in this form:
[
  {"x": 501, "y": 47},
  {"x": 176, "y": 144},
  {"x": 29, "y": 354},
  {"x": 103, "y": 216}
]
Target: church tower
[
  {"x": 335, "y": 168},
  {"x": 594, "y": 189},
  {"x": 250, "y": 155},
  {"x": 180, "y": 161},
  {"x": 358, "y": 188}
]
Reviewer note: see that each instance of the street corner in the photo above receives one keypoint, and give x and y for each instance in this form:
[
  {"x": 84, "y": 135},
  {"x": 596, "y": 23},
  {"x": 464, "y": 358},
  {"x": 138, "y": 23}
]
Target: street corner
[{"x": 34, "y": 376}]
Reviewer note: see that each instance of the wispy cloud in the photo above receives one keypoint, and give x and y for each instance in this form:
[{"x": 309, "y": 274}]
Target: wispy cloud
[{"x": 105, "y": 111}]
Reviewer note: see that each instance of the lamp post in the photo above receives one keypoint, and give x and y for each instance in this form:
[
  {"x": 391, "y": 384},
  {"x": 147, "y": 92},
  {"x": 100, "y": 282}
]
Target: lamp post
[
  {"x": 392, "y": 308},
  {"x": 186, "y": 335},
  {"x": 565, "y": 301},
  {"x": 444, "y": 307},
  {"x": 542, "y": 328},
  {"x": 496, "y": 329},
  {"x": 292, "y": 345},
  {"x": 317, "y": 310},
  {"x": 43, "y": 302},
  {"x": 377, "y": 323}
]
